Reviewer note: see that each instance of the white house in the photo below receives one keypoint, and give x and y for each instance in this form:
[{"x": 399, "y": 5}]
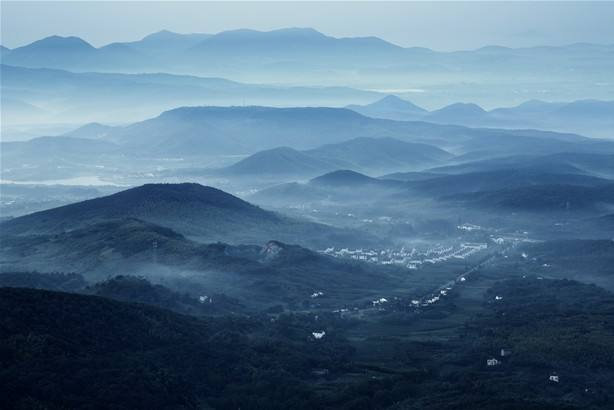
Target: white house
[{"x": 318, "y": 335}]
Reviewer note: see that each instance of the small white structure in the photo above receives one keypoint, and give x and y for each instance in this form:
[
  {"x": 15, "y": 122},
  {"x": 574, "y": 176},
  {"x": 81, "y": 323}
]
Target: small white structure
[
  {"x": 554, "y": 378},
  {"x": 492, "y": 362},
  {"x": 463, "y": 279},
  {"x": 498, "y": 297},
  {"x": 505, "y": 352},
  {"x": 318, "y": 335},
  {"x": 317, "y": 294},
  {"x": 379, "y": 301},
  {"x": 203, "y": 299}
]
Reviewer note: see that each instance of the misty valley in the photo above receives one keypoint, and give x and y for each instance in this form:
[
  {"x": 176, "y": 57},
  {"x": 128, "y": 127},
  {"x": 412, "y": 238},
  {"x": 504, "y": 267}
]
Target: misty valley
[{"x": 258, "y": 220}]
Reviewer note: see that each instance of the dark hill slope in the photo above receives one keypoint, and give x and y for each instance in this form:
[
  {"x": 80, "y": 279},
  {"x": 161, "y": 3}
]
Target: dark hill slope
[
  {"x": 140, "y": 290},
  {"x": 495, "y": 180},
  {"x": 597, "y": 164},
  {"x": 197, "y": 211},
  {"x": 118, "y": 246},
  {"x": 61, "y": 350},
  {"x": 279, "y": 162},
  {"x": 585, "y": 260},
  {"x": 543, "y": 198},
  {"x": 151, "y": 202},
  {"x": 342, "y": 186},
  {"x": 273, "y": 273},
  {"x": 346, "y": 178}
]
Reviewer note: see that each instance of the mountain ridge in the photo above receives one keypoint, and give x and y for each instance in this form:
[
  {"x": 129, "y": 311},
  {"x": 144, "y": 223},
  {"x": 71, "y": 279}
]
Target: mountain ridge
[{"x": 200, "y": 213}]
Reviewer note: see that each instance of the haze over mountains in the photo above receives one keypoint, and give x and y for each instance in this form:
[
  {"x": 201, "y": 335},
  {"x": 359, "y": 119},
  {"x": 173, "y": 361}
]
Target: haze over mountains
[
  {"x": 589, "y": 117},
  {"x": 291, "y": 50},
  {"x": 200, "y": 212},
  {"x": 51, "y": 81},
  {"x": 374, "y": 155},
  {"x": 197, "y": 141},
  {"x": 43, "y": 95},
  {"x": 289, "y": 220}
]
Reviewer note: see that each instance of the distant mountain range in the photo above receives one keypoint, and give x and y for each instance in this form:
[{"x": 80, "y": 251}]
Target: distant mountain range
[
  {"x": 245, "y": 130},
  {"x": 290, "y": 51},
  {"x": 490, "y": 76},
  {"x": 587, "y": 117},
  {"x": 327, "y": 138},
  {"x": 373, "y": 155},
  {"x": 510, "y": 178},
  {"x": 169, "y": 50},
  {"x": 340, "y": 187},
  {"x": 518, "y": 189},
  {"x": 561, "y": 197},
  {"x": 595, "y": 164},
  {"x": 42, "y": 95},
  {"x": 198, "y": 212}
]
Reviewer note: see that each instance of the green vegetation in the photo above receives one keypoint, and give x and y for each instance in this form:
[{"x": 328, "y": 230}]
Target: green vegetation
[{"x": 59, "y": 350}]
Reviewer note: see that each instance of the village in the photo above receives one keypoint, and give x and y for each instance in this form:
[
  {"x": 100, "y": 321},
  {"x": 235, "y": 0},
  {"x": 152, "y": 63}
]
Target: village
[{"x": 410, "y": 258}]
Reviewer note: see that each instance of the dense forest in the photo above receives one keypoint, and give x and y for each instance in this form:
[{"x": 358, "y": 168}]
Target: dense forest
[{"x": 66, "y": 350}]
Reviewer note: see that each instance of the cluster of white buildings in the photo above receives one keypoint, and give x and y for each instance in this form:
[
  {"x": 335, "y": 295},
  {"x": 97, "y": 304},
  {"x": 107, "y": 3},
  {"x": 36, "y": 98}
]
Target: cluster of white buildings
[
  {"x": 469, "y": 227},
  {"x": 410, "y": 258}
]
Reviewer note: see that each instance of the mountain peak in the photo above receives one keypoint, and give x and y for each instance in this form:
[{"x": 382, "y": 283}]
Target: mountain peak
[
  {"x": 278, "y": 161},
  {"x": 183, "y": 193},
  {"x": 59, "y": 42},
  {"x": 396, "y": 103},
  {"x": 280, "y": 35},
  {"x": 162, "y": 204},
  {"x": 343, "y": 177},
  {"x": 299, "y": 31},
  {"x": 456, "y": 111},
  {"x": 464, "y": 107},
  {"x": 162, "y": 34}
]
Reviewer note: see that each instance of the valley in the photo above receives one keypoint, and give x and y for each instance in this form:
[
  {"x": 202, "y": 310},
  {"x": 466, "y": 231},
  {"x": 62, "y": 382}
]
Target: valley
[{"x": 281, "y": 217}]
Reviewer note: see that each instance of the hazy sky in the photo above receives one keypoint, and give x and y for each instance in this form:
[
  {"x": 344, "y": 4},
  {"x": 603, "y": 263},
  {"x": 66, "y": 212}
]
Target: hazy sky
[{"x": 438, "y": 25}]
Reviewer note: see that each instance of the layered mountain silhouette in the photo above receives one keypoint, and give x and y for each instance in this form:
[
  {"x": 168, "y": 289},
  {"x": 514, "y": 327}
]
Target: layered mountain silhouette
[
  {"x": 595, "y": 164},
  {"x": 340, "y": 186},
  {"x": 391, "y": 107},
  {"x": 344, "y": 178},
  {"x": 493, "y": 180},
  {"x": 61, "y": 96},
  {"x": 236, "y": 130},
  {"x": 260, "y": 275},
  {"x": 374, "y": 155},
  {"x": 522, "y": 189},
  {"x": 203, "y": 213},
  {"x": 324, "y": 139},
  {"x": 587, "y": 117},
  {"x": 559, "y": 197},
  {"x": 299, "y": 44},
  {"x": 282, "y": 56},
  {"x": 289, "y": 47}
]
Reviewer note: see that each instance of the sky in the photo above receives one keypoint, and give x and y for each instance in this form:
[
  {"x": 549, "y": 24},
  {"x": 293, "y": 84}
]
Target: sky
[{"x": 438, "y": 25}]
